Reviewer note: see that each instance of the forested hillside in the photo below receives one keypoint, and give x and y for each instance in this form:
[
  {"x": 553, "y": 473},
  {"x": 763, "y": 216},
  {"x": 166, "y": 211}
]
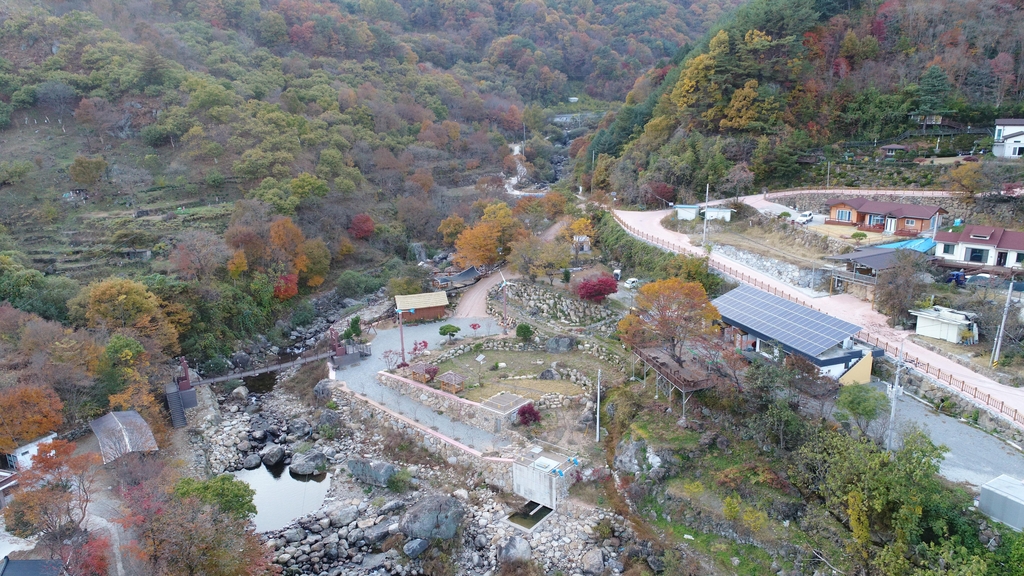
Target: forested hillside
[{"x": 795, "y": 80}]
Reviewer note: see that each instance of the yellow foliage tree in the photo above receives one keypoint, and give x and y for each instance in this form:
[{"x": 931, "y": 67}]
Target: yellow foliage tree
[
  {"x": 676, "y": 311},
  {"x": 120, "y": 304},
  {"x": 451, "y": 227}
]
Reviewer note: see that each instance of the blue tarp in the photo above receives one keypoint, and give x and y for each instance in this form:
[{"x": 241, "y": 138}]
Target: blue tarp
[{"x": 922, "y": 245}]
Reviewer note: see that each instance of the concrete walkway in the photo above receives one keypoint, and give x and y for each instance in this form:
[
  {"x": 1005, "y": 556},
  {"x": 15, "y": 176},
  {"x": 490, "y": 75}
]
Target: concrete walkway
[
  {"x": 362, "y": 379},
  {"x": 983, "y": 390}
]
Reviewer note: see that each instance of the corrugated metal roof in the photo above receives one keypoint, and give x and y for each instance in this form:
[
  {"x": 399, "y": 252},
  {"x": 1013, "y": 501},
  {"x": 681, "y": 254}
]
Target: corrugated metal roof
[{"x": 424, "y": 300}]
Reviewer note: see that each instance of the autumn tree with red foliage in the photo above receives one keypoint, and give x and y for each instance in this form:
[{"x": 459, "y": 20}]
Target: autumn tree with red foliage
[
  {"x": 56, "y": 492},
  {"x": 287, "y": 286},
  {"x": 361, "y": 227},
  {"x": 596, "y": 289}
]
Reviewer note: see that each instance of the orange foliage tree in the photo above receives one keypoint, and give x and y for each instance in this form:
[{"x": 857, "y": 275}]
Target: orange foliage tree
[
  {"x": 26, "y": 413},
  {"x": 477, "y": 246},
  {"x": 676, "y": 311},
  {"x": 55, "y": 493},
  {"x": 451, "y": 227}
]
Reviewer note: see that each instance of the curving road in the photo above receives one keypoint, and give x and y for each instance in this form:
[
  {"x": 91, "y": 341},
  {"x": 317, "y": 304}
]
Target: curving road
[{"x": 842, "y": 306}]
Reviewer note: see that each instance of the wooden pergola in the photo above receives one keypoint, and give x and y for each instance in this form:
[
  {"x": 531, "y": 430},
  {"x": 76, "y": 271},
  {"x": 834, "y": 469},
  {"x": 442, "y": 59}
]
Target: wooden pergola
[
  {"x": 451, "y": 382},
  {"x": 419, "y": 372}
]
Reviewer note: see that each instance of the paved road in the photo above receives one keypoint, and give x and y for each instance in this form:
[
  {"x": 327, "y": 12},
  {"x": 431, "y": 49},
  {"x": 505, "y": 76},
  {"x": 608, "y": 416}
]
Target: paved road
[
  {"x": 362, "y": 378},
  {"x": 974, "y": 457},
  {"x": 843, "y": 306}
]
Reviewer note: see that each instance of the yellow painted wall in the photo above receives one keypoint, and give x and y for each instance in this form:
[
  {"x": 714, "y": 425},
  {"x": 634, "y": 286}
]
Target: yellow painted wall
[{"x": 859, "y": 373}]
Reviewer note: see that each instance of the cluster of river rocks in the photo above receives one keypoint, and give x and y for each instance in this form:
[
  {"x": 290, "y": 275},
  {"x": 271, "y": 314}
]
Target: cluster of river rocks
[
  {"x": 365, "y": 528},
  {"x": 396, "y": 534},
  {"x": 537, "y": 299}
]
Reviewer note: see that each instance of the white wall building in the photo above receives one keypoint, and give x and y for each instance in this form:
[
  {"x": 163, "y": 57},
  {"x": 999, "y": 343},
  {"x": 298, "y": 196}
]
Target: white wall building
[
  {"x": 982, "y": 245},
  {"x": 1009, "y": 141},
  {"x": 718, "y": 213},
  {"x": 947, "y": 324},
  {"x": 686, "y": 211},
  {"x": 21, "y": 459}
]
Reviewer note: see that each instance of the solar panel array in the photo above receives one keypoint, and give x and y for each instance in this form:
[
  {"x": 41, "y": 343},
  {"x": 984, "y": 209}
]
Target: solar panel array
[{"x": 798, "y": 327}]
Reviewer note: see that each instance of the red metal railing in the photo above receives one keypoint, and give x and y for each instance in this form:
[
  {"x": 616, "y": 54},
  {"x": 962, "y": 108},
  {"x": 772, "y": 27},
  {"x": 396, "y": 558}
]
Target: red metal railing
[{"x": 891, "y": 349}]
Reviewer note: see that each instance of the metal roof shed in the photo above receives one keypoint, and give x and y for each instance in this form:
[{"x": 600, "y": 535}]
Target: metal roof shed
[
  {"x": 1002, "y": 499},
  {"x": 122, "y": 432}
]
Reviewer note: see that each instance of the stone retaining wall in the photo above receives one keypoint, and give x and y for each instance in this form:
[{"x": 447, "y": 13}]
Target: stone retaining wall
[
  {"x": 452, "y": 406},
  {"x": 496, "y": 470},
  {"x": 818, "y": 203},
  {"x": 951, "y": 402}
]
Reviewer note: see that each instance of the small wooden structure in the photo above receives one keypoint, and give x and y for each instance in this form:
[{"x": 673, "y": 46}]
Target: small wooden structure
[
  {"x": 419, "y": 372},
  {"x": 451, "y": 382}
]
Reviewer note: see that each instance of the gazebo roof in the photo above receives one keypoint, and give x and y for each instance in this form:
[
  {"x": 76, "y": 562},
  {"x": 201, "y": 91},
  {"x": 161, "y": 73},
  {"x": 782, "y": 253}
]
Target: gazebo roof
[
  {"x": 419, "y": 367},
  {"x": 450, "y": 377}
]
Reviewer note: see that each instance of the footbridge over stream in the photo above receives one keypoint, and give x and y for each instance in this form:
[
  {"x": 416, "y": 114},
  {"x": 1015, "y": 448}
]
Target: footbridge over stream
[{"x": 181, "y": 394}]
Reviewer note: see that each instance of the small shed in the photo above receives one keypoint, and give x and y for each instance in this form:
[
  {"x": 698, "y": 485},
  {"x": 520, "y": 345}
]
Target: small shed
[
  {"x": 122, "y": 432},
  {"x": 420, "y": 372},
  {"x": 21, "y": 459},
  {"x": 581, "y": 243},
  {"x": 891, "y": 149},
  {"x": 423, "y": 306},
  {"x": 451, "y": 382},
  {"x": 1002, "y": 499},
  {"x": 947, "y": 324},
  {"x": 718, "y": 213},
  {"x": 686, "y": 211}
]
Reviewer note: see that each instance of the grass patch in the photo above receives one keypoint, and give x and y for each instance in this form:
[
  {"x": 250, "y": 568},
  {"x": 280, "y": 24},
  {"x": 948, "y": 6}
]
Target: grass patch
[{"x": 661, "y": 431}]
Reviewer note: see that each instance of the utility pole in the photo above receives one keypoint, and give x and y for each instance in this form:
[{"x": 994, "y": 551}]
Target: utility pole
[
  {"x": 828, "y": 175},
  {"x": 894, "y": 391},
  {"x": 504, "y": 302},
  {"x": 401, "y": 334},
  {"x": 597, "y": 437},
  {"x": 707, "y": 194},
  {"x": 593, "y": 170},
  {"x": 1002, "y": 326}
]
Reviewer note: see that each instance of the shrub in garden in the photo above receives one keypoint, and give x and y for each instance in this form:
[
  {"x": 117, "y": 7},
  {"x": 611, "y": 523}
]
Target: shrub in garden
[{"x": 528, "y": 414}]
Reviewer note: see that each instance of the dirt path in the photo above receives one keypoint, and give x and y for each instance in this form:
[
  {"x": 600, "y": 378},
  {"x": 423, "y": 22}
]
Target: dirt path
[
  {"x": 473, "y": 303},
  {"x": 843, "y": 306}
]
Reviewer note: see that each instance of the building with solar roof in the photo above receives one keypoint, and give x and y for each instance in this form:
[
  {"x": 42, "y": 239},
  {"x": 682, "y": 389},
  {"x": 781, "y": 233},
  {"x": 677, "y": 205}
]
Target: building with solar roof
[{"x": 761, "y": 323}]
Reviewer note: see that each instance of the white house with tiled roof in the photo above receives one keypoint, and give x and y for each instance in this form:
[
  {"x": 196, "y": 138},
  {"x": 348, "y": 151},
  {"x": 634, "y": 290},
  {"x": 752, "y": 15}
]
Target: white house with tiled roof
[
  {"x": 981, "y": 245},
  {"x": 1009, "y": 142}
]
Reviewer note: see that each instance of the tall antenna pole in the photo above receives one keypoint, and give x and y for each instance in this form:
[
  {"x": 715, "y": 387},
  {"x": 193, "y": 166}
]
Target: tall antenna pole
[{"x": 895, "y": 391}]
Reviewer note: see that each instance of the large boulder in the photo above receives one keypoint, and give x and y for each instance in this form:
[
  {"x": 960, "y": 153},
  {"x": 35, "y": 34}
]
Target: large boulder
[
  {"x": 241, "y": 393},
  {"x": 272, "y": 455},
  {"x": 252, "y": 462},
  {"x": 593, "y": 562},
  {"x": 516, "y": 549},
  {"x": 413, "y": 548},
  {"x": 241, "y": 360},
  {"x": 627, "y": 456},
  {"x": 293, "y": 535},
  {"x": 433, "y": 517},
  {"x": 311, "y": 462},
  {"x": 548, "y": 374},
  {"x": 299, "y": 427},
  {"x": 322, "y": 390},
  {"x": 371, "y": 472},
  {"x": 343, "y": 516},
  {"x": 560, "y": 344},
  {"x": 375, "y": 534},
  {"x": 329, "y": 418}
]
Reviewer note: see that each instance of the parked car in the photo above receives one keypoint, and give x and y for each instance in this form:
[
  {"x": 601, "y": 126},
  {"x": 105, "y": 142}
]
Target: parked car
[
  {"x": 804, "y": 217},
  {"x": 632, "y": 283}
]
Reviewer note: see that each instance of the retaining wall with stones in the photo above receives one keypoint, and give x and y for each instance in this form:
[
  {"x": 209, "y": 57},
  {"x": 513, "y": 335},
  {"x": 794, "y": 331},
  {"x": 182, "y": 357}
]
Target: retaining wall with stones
[
  {"x": 452, "y": 406},
  {"x": 496, "y": 469},
  {"x": 950, "y": 402}
]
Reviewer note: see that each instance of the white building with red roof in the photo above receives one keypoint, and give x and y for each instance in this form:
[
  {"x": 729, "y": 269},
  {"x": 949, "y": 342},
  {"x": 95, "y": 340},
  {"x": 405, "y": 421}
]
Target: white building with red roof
[{"x": 981, "y": 246}]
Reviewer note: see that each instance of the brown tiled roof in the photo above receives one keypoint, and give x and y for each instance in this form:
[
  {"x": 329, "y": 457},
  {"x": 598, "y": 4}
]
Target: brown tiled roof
[
  {"x": 894, "y": 209},
  {"x": 1010, "y": 122},
  {"x": 999, "y": 238}
]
